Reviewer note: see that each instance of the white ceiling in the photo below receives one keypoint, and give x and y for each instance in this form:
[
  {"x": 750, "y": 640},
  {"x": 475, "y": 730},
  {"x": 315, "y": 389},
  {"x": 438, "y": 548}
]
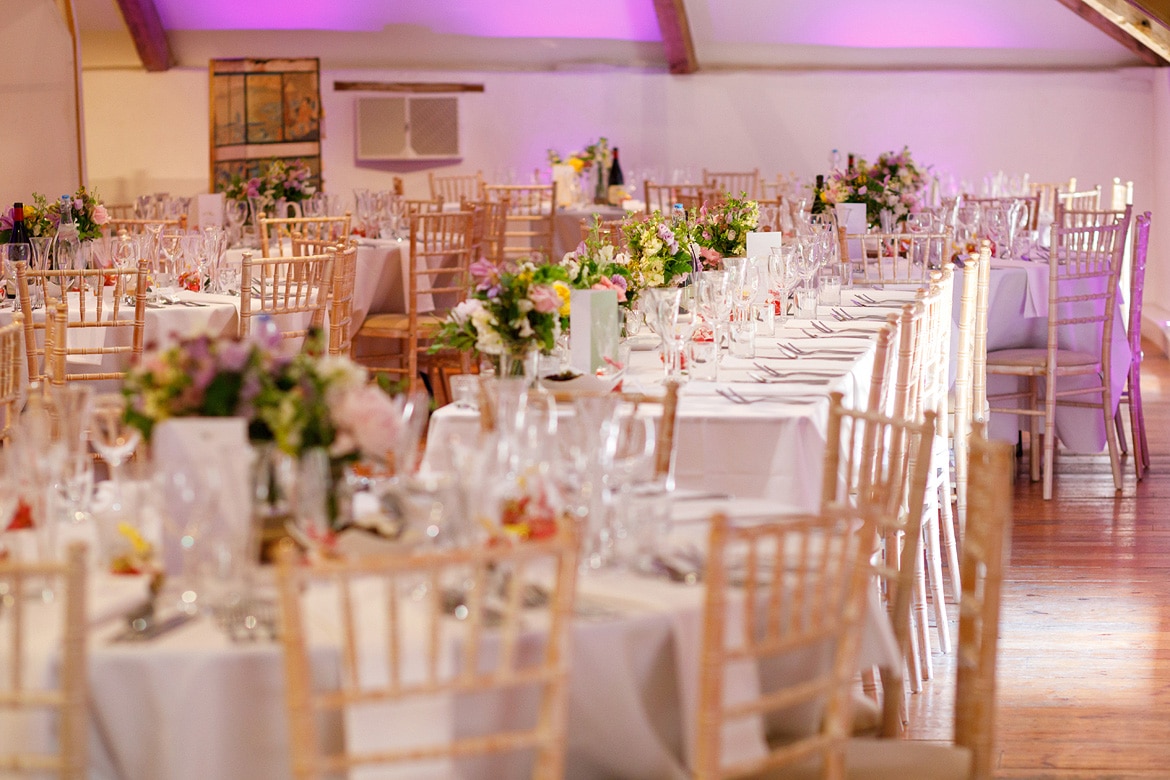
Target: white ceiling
[{"x": 544, "y": 35}]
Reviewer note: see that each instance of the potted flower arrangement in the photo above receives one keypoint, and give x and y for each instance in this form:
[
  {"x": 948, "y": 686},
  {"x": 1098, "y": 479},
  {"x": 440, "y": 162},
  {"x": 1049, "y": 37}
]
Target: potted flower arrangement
[
  {"x": 514, "y": 311},
  {"x": 662, "y": 251},
  {"x": 721, "y": 230},
  {"x": 893, "y": 183},
  {"x": 594, "y": 155},
  {"x": 598, "y": 265},
  {"x": 279, "y": 181},
  {"x": 42, "y": 217}
]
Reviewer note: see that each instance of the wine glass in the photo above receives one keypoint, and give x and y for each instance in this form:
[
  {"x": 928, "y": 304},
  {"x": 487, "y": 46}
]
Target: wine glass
[
  {"x": 967, "y": 224},
  {"x": 112, "y": 435},
  {"x": 236, "y": 212},
  {"x": 166, "y": 271}
]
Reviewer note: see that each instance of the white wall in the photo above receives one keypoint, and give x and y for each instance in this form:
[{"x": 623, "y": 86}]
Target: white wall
[
  {"x": 38, "y": 116},
  {"x": 149, "y": 132}
]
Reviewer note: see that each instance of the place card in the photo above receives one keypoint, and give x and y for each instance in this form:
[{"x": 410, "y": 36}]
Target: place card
[
  {"x": 209, "y": 210},
  {"x": 760, "y": 244},
  {"x": 593, "y": 323},
  {"x": 206, "y": 466}
]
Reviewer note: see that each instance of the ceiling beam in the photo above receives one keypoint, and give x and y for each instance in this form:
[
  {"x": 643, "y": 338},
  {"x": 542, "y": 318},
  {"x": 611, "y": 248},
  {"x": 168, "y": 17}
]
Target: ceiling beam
[
  {"x": 676, "y": 36},
  {"x": 146, "y": 29},
  {"x": 1144, "y": 32}
]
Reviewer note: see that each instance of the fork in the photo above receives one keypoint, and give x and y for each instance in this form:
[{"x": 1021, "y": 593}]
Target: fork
[
  {"x": 796, "y": 351},
  {"x": 738, "y": 398}
]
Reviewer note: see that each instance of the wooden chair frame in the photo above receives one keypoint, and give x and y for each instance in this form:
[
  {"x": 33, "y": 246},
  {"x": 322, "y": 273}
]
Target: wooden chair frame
[
  {"x": 276, "y": 233},
  {"x": 1132, "y": 393},
  {"x": 734, "y": 183},
  {"x": 68, "y": 700},
  {"x": 457, "y": 188},
  {"x": 530, "y": 223},
  {"x": 895, "y": 258},
  {"x": 12, "y": 386},
  {"x": 280, "y": 286},
  {"x": 468, "y": 671},
  {"x": 72, "y": 302}
]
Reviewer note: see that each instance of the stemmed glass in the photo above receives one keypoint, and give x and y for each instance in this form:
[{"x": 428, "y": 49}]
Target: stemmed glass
[
  {"x": 166, "y": 271},
  {"x": 112, "y": 435},
  {"x": 236, "y": 212},
  {"x": 995, "y": 227},
  {"x": 967, "y": 224},
  {"x": 784, "y": 275},
  {"x": 662, "y": 316}
]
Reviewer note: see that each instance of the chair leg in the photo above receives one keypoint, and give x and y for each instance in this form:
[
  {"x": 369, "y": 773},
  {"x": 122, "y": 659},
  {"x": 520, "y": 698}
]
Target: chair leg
[
  {"x": 1117, "y": 423},
  {"x": 1111, "y": 439},
  {"x": 1034, "y": 434},
  {"x": 935, "y": 577},
  {"x": 1049, "y": 438},
  {"x": 1137, "y": 424},
  {"x": 950, "y": 546},
  {"x": 922, "y": 621}
]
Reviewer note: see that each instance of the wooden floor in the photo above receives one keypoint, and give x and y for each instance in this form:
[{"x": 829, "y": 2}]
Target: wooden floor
[{"x": 1084, "y": 662}]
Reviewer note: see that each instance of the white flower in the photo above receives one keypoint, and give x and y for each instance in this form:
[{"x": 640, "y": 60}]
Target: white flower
[
  {"x": 466, "y": 310},
  {"x": 652, "y": 246}
]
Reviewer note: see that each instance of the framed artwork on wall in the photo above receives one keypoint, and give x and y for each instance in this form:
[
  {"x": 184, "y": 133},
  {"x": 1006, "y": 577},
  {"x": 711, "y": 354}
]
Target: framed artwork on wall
[{"x": 264, "y": 110}]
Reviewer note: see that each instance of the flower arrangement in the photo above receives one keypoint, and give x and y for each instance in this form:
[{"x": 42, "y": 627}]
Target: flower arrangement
[
  {"x": 296, "y": 401},
  {"x": 598, "y": 265},
  {"x": 893, "y": 183},
  {"x": 281, "y": 180},
  {"x": 42, "y": 217},
  {"x": 662, "y": 251},
  {"x": 721, "y": 230},
  {"x": 512, "y": 310},
  {"x": 594, "y": 153}
]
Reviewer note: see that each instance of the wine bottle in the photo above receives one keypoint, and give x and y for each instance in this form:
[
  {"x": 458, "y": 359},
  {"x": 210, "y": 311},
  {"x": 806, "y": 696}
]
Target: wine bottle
[
  {"x": 19, "y": 245},
  {"x": 849, "y": 169},
  {"x": 818, "y": 203},
  {"x": 616, "y": 191},
  {"x": 67, "y": 244}
]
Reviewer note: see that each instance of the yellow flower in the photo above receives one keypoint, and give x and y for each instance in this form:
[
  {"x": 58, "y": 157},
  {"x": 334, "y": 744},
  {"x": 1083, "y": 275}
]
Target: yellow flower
[
  {"x": 577, "y": 163},
  {"x": 565, "y": 293}
]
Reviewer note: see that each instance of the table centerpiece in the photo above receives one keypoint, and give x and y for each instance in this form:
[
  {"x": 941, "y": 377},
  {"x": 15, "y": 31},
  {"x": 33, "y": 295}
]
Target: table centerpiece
[
  {"x": 894, "y": 183},
  {"x": 721, "y": 229}
]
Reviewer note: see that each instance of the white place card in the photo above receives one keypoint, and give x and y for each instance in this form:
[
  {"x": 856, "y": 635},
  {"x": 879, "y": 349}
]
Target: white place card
[
  {"x": 209, "y": 210},
  {"x": 760, "y": 244},
  {"x": 208, "y": 463},
  {"x": 593, "y": 324}
]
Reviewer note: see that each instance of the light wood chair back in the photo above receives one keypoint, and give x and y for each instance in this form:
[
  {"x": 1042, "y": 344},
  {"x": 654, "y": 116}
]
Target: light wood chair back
[
  {"x": 1082, "y": 200},
  {"x": 881, "y": 380},
  {"x": 117, "y": 226},
  {"x": 531, "y": 218},
  {"x": 490, "y": 219},
  {"x": 735, "y": 184},
  {"x": 276, "y": 234},
  {"x": 792, "y": 587},
  {"x": 413, "y": 206},
  {"x": 1031, "y": 202},
  {"x": 986, "y": 551},
  {"x": 879, "y": 464},
  {"x": 341, "y": 325},
  {"x": 23, "y": 689},
  {"x": 397, "y": 648},
  {"x": 440, "y": 252},
  {"x": 894, "y": 258},
  {"x": 665, "y": 430},
  {"x": 1047, "y": 192},
  {"x": 294, "y": 291},
  {"x": 456, "y": 188},
  {"x": 90, "y": 302},
  {"x": 1132, "y": 394},
  {"x": 963, "y": 412},
  {"x": 658, "y": 197},
  {"x": 12, "y": 383},
  {"x": 119, "y": 211},
  {"x": 1082, "y": 293}
]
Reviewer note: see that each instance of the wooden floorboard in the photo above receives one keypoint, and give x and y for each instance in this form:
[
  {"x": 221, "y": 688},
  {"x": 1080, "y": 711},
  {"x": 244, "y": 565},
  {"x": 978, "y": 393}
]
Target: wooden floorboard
[{"x": 1084, "y": 661}]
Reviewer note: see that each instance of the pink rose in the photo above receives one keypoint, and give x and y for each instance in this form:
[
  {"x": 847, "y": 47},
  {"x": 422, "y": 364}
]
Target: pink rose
[
  {"x": 605, "y": 283},
  {"x": 370, "y": 418},
  {"x": 545, "y": 298},
  {"x": 100, "y": 215}
]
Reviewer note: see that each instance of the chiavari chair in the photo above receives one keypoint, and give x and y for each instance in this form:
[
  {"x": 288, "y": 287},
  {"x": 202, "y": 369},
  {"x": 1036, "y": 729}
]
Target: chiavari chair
[
  {"x": 733, "y": 183},
  {"x": 12, "y": 385},
  {"x": 276, "y": 234},
  {"x": 530, "y": 222},
  {"x": 457, "y": 188},
  {"x": 293, "y": 291},
  {"x": 1132, "y": 393}
]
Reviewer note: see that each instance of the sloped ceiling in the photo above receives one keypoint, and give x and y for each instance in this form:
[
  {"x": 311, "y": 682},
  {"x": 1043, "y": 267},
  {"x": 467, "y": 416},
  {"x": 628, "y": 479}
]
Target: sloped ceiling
[{"x": 543, "y": 35}]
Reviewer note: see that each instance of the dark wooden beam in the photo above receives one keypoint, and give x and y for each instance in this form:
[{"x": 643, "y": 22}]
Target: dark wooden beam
[
  {"x": 147, "y": 31},
  {"x": 676, "y": 36},
  {"x": 1129, "y": 25},
  {"x": 403, "y": 86}
]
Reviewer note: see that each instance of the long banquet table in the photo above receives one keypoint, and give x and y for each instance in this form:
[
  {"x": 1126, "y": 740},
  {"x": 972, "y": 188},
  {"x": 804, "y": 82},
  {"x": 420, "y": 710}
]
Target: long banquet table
[{"x": 192, "y": 704}]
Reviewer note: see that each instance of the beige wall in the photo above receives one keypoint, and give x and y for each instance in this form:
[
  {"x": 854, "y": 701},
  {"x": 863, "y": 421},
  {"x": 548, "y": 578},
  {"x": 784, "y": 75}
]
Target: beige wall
[{"x": 38, "y": 118}]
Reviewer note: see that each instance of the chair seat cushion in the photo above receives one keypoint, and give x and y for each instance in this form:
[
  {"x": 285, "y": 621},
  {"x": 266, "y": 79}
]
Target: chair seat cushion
[
  {"x": 890, "y": 759},
  {"x": 393, "y": 322},
  {"x": 1038, "y": 356}
]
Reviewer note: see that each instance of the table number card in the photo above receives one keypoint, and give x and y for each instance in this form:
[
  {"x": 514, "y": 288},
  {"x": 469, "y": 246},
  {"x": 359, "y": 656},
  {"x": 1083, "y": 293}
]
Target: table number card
[
  {"x": 214, "y": 459},
  {"x": 209, "y": 210},
  {"x": 593, "y": 322},
  {"x": 760, "y": 244}
]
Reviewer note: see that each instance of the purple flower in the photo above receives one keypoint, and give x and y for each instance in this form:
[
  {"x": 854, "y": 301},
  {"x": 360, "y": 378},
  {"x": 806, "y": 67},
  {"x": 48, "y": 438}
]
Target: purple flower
[
  {"x": 485, "y": 274},
  {"x": 6, "y": 220}
]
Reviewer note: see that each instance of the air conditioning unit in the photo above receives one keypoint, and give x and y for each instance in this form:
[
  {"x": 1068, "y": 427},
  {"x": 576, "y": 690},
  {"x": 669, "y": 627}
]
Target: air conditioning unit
[{"x": 407, "y": 128}]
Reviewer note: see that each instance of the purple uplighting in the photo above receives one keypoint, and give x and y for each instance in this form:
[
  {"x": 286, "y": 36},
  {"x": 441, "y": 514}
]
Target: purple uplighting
[{"x": 632, "y": 20}]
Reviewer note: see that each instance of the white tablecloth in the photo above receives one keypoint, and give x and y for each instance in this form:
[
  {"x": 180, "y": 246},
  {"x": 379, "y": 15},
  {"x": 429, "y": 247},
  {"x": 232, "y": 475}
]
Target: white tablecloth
[
  {"x": 193, "y": 705},
  {"x": 771, "y": 449}
]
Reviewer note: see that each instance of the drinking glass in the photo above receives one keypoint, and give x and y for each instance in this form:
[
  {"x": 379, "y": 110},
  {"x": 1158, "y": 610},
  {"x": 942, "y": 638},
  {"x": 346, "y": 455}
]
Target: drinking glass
[
  {"x": 704, "y": 360},
  {"x": 236, "y": 212},
  {"x": 967, "y": 224},
  {"x": 111, "y": 434},
  {"x": 166, "y": 269},
  {"x": 743, "y": 339},
  {"x": 784, "y": 275}
]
